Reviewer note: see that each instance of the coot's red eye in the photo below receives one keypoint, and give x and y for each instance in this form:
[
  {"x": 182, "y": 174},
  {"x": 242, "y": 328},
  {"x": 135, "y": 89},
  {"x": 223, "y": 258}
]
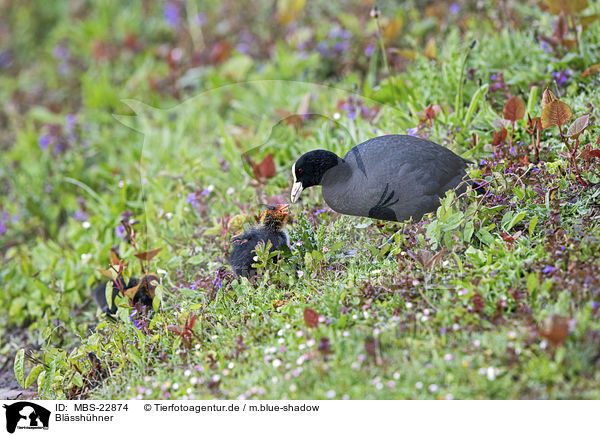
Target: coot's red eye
[{"x": 300, "y": 171}]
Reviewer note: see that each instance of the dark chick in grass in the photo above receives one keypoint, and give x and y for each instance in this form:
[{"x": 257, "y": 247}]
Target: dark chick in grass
[
  {"x": 142, "y": 290},
  {"x": 272, "y": 222}
]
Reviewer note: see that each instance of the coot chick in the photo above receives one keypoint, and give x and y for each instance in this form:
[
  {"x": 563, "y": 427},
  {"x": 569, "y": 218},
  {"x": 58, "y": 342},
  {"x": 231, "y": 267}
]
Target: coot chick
[
  {"x": 143, "y": 292},
  {"x": 391, "y": 177},
  {"x": 270, "y": 229}
]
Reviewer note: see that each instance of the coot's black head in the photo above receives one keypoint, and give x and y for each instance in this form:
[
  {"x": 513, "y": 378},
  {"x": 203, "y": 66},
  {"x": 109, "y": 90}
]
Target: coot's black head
[{"x": 310, "y": 169}]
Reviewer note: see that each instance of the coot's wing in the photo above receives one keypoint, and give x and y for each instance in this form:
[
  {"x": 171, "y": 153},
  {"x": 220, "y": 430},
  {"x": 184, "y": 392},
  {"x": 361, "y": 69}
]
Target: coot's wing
[{"x": 403, "y": 176}]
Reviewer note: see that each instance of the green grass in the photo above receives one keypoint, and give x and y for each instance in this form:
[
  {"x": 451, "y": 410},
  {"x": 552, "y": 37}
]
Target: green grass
[{"x": 149, "y": 132}]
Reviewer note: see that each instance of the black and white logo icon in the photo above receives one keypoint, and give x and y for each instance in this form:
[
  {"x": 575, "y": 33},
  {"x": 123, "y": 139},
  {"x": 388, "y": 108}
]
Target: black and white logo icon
[{"x": 26, "y": 415}]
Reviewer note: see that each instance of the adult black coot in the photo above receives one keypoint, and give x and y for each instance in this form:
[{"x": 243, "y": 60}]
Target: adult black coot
[{"x": 391, "y": 177}]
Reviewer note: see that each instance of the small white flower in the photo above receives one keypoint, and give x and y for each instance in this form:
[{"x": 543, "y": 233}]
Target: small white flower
[
  {"x": 433, "y": 387},
  {"x": 419, "y": 385},
  {"x": 230, "y": 191},
  {"x": 293, "y": 387},
  {"x": 86, "y": 225},
  {"x": 310, "y": 342},
  {"x": 346, "y": 333},
  {"x": 336, "y": 116},
  {"x": 121, "y": 183},
  {"x": 299, "y": 334},
  {"x": 408, "y": 305},
  {"x": 396, "y": 375},
  {"x": 216, "y": 378},
  {"x": 168, "y": 216},
  {"x": 330, "y": 394},
  {"x": 448, "y": 357}
]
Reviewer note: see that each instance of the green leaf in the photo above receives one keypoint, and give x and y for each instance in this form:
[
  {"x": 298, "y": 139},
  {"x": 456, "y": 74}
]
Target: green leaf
[
  {"x": 452, "y": 222},
  {"x": 77, "y": 380},
  {"x": 485, "y": 236},
  {"x": 532, "y": 224},
  {"x": 33, "y": 375},
  {"x": 515, "y": 220},
  {"x": 468, "y": 231},
  {"x": 19, "y": 367}
]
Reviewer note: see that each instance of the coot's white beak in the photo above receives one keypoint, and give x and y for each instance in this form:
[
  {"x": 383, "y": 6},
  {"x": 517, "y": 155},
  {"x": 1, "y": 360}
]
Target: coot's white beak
[{"x": 296, "y": 191}]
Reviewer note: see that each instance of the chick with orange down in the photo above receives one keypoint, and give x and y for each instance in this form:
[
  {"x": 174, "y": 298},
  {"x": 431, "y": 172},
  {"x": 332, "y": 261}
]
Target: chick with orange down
[{"x": 271, "y": 228}]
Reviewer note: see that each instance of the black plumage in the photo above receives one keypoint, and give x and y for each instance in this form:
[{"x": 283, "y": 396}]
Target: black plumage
[
  {"x": 143, "y": 294},
  {"x": 270, "y": 229},
  {"x": 391, "y": 177}
]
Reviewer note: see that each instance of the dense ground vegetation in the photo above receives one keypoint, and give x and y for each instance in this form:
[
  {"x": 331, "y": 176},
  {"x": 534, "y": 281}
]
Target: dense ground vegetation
[{"x": 128, "y": 127}]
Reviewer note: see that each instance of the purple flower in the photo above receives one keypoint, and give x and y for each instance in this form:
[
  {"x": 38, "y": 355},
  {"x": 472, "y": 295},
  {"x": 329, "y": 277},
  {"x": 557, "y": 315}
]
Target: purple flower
[
  {"x": 548, "y": 269},
  {"x": 595, "y": 305},
  {"x": 369, "y": 50},
  {"x": 5, "y": 59},
  {"x": 323, "y": 49},
  {"x": 493, "y": 77},
  {"x": 70, "y": 122},
  {"x": 413, "y": 131},
  {"x": 243, "y": 48},
  {"x": 44, "y": 141},
  {"x": 63, "y": 68},
  {"x": 201, "y": 19},
  {"x": 545, "y": 46},
  {"x": 120, "y": 231},
  {"x": 335, "y": 33},
  {"x": 454, "y": 8},
  {"x": 319, "y": 212},
  {"x": 191, "y": 199},
  {"x": 61, "y": 52},
  {"x": 205, "y": 192},
  {"x": 136, "y": 322},
  {"x": 339, "y": 46},
  {"x": 171, "y": 15},
  {"x": 80, "y": 215},
  {"x": 2, "y": 228}
]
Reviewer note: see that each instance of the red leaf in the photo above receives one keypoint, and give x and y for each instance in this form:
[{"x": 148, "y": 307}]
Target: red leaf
[
  {"x": 478, "y": 302},
  {"x": 547, "y": 98},
  {"x": 148, "y": 255},
  {"x": 311, "y": 317},
  {"x": 555, "y": 329},
  {"x": 191, "y": 321},
  {"x": 176, "y": 329},
  {"x": 499, "y": 137},
  {"x": 514, "y": 109},
  {"x": 555, "y": 113},
  {"x": 220, "y": 52},
  {"x": 265, "y": 169}
]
